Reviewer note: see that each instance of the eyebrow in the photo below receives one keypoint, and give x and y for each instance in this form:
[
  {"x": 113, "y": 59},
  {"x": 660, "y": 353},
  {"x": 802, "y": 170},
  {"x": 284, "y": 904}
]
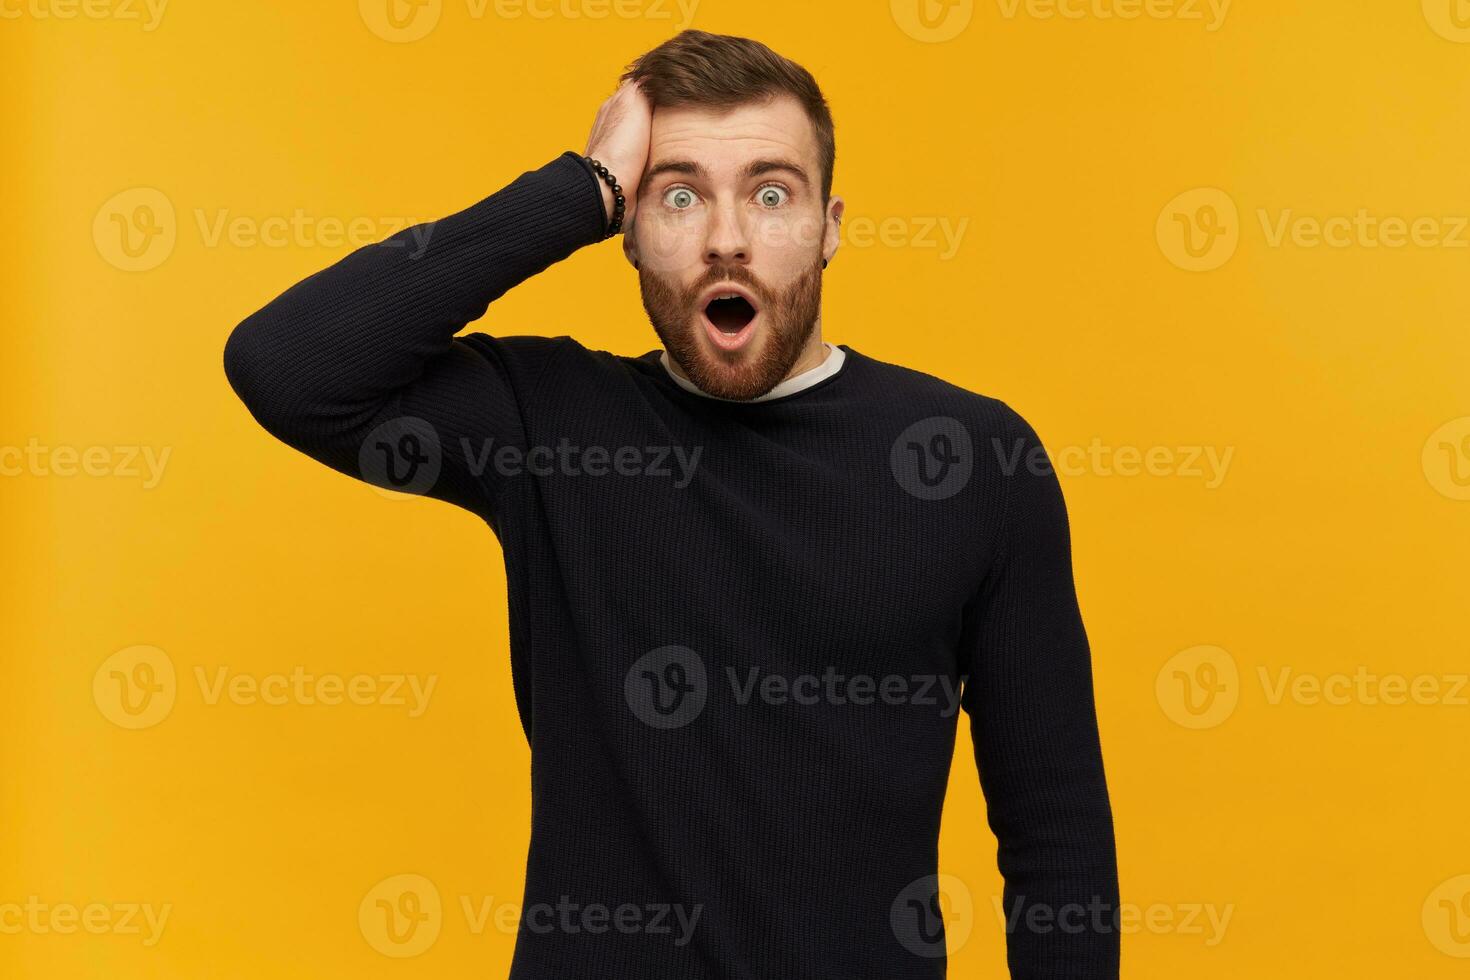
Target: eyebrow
[{"x": 754, "y": 168}]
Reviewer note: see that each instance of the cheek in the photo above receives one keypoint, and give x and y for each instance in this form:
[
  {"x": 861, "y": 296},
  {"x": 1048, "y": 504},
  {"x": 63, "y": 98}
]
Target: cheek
[
  {"x": 667, "y": 245},
  {"x": 789, "y": 234},
  {"x": 785, "y": 250}
]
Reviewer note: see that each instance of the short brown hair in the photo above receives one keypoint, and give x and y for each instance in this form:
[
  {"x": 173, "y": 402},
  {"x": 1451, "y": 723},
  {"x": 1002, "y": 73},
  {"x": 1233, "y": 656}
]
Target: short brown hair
[{"x": 721, "y": 71}]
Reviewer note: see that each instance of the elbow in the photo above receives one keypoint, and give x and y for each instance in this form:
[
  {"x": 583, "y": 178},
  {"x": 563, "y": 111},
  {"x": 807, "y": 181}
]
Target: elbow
[
  {"x": 243, "y": 362},
  {"x": 254, "y": 370},
  {"x": 287, "y": 388}
]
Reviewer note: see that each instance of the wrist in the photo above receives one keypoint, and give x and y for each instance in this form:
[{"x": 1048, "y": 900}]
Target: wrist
[
  {"x": 609, "y": 202},
  {"x": 614, "y": 198}
]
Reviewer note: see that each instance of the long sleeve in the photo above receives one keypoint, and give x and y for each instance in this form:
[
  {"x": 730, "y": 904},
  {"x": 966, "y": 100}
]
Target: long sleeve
[
  {"x": 1030, "y": 698},
  {"x": 358, "y": 365}
]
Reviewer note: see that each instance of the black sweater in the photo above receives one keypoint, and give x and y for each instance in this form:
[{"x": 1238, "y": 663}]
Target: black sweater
[{"x": 737, "y": 628}]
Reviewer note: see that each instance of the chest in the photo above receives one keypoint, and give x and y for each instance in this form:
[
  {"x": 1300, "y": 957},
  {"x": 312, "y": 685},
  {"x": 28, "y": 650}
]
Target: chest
[{"x": 780, "y": 540}]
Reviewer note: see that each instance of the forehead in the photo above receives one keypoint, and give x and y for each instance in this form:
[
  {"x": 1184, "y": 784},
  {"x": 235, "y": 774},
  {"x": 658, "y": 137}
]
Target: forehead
[{"x": 723, "y": 138}]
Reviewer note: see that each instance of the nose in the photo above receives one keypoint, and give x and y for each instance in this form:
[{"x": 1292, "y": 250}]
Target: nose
[{"x": 727, "y": 239}]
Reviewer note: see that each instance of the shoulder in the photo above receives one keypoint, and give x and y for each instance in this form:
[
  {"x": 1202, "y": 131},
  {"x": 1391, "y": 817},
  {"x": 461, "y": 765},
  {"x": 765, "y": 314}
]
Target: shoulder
[
  {"x": 552, "y": 365},
  {"x": 531, "y": 356},
  {"x": 920, "y": 395},
  {"x": 1001, "y": 456},
  {"x": 520, "y": 356}
]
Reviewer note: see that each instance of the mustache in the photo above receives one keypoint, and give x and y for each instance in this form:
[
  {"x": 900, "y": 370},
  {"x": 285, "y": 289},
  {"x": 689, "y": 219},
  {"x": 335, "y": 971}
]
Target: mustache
[
  {"x": 667, "y": 285},
  {"x": 727, "y": 273}
]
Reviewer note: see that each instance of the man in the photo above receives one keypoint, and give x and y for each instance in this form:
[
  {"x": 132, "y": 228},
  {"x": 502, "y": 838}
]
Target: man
[{"x": 752, "y": 577}]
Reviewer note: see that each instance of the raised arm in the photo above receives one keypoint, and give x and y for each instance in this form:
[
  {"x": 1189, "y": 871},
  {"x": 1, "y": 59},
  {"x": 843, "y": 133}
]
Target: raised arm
[
  {"x": 1030, "y": 699},
  {"x": 365, "y": 349},
  {"x": 358, "y": 365}
]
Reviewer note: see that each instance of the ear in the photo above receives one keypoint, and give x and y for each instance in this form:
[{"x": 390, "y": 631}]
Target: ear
[{"x": 830, "y": 237}]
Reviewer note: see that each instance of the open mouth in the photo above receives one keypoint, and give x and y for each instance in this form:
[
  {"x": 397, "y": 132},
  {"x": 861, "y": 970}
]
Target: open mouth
[{"x": 728, "y": 320}]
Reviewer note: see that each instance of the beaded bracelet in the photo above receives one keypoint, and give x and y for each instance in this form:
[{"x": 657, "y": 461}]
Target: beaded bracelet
[{"x": 618, "y": 200}]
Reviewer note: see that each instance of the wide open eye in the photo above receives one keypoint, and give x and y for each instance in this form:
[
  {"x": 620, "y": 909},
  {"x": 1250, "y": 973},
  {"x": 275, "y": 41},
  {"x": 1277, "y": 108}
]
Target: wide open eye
[
  {"x": 772, "y": 195},
  {"x": 679, "y": 198}
]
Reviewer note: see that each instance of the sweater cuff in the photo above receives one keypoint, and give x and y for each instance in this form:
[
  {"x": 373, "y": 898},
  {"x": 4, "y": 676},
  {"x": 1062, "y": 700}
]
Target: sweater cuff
[{"x": 596, "y": 187}]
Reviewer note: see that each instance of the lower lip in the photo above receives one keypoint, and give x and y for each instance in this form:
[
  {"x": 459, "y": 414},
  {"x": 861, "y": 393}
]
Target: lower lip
[{"x": 730, "y": 342}]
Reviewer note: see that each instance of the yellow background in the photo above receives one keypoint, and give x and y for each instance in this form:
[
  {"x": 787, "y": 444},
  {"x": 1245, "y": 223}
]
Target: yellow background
[{"x": 1332, "y": 834}]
